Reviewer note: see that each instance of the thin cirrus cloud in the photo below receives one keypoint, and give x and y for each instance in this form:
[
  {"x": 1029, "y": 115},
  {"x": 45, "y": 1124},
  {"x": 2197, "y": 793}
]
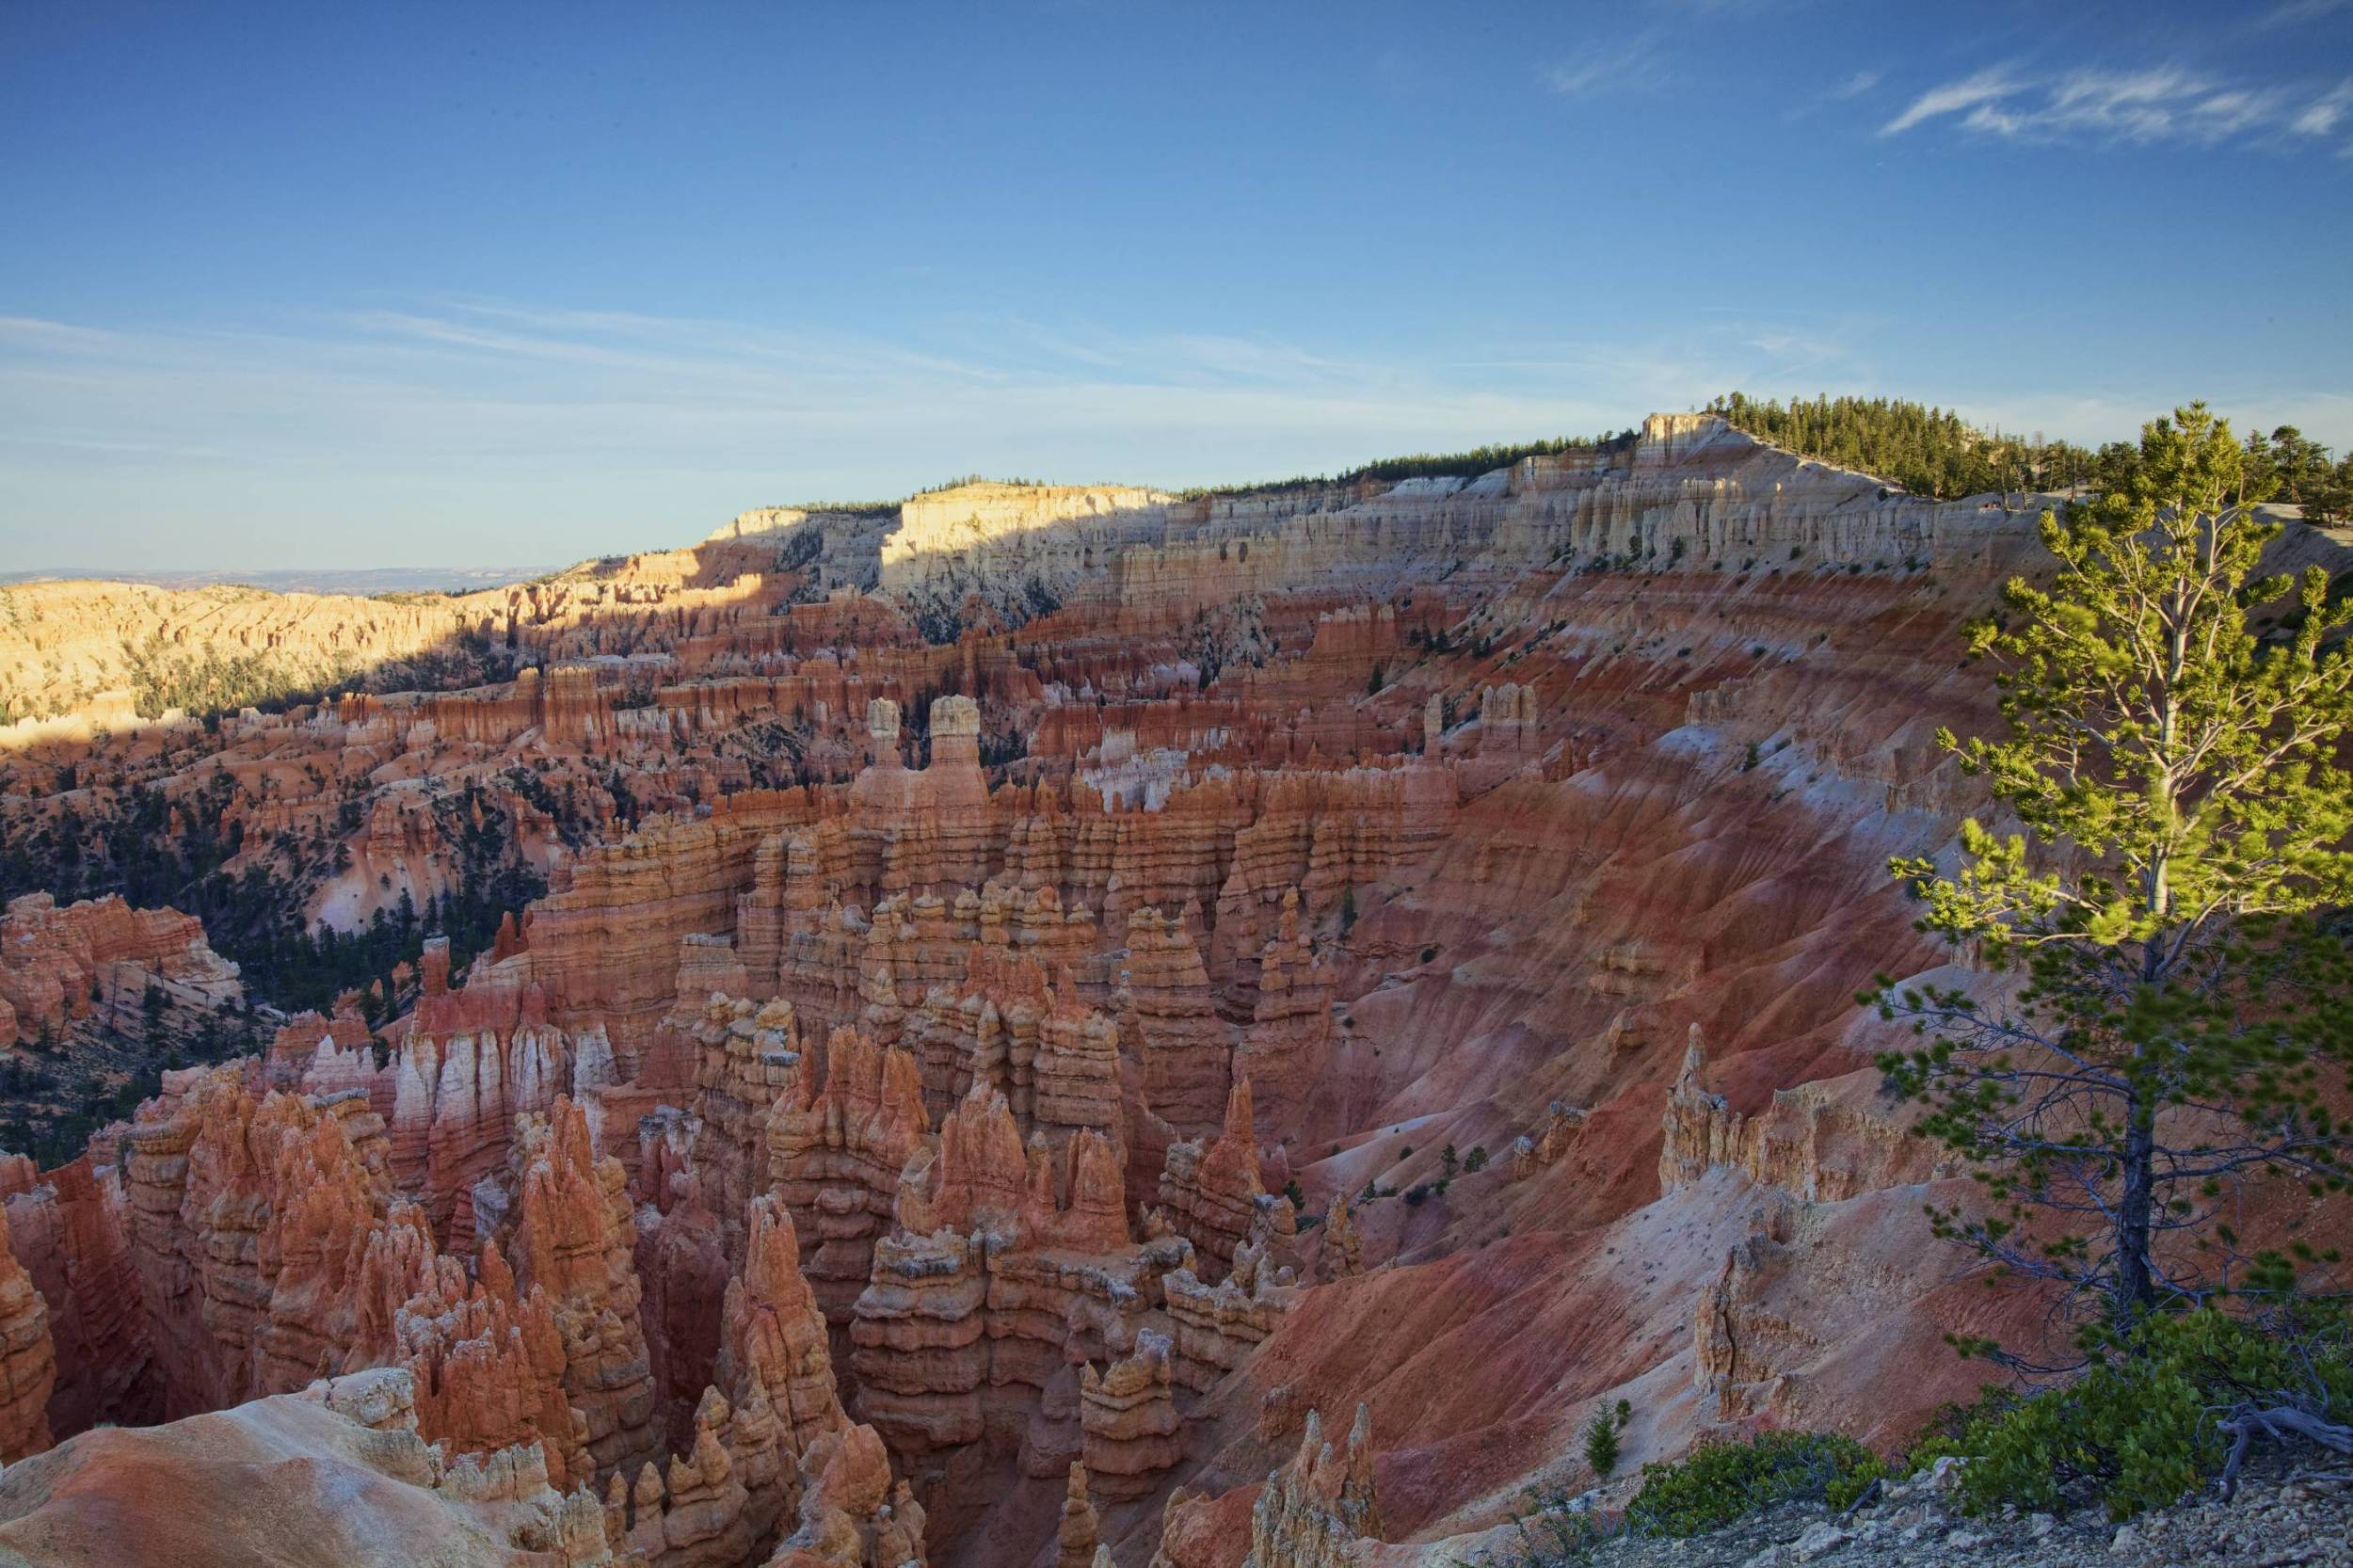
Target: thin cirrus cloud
[
  {"x": 2161, "y": 104},
  {"x": 2322, "y": 116},
  {"x": 1860, "y": 85},
  {"x": 482, "y": 385},
  {"x": 2289, "y": 13},
  {"x": 1637, "y": 65}
]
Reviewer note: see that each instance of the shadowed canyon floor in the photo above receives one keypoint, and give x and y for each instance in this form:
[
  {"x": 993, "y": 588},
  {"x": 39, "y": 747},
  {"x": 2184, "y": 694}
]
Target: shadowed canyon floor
[{"x": 1042, "y": 1027}]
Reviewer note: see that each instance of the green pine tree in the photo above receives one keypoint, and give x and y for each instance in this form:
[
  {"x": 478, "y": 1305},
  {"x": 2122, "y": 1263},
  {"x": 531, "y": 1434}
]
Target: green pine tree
[
  {"x": 2185, "y": 819},
  {"x": 1602, "y": 1447}
]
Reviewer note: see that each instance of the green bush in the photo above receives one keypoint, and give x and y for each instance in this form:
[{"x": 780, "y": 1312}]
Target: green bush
[
  {"x": 2143, "y": 1426},
  {"x": 1719, "y": 1482}
]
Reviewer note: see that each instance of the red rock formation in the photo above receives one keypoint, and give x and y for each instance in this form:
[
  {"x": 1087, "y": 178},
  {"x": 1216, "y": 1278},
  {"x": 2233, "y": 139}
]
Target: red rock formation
[
  {"x": 296, "y": 1051},
  {"x": 1129, "y": 1414},
  {"x": 775, "y": 1337},
  {"x": 57, "y": 964},
  {"x": 1283, "y": 1052},
  {"x": 1826, "y": 1141},
  {"x": 1005, "y": 1027},
  {"x": 29, "y": 1360},
  {"x": 851, "y": 1516},
  {"x": 1005, "y": 1270},
  {"x": 1315, "y": 1509},
  {"x": 929, "y": 827},
  {"x": 1209, "y": 1191},
  {"x": 1169, "y": 1023},
  {"x": 747, "y": 1061},
  {"x": 574, "y": 1237},
  {"x": 69, "y": 1231},
  {"x": 681, "y": 1264},
  {"x": 1217, "y": 1327},
  {"x": 1075, "y": 1537},
  {"x": 250, "y": 1221},
  {"x": 836, "y": 1148},
  {"x": 486, "y": 1359},
  {"x": 470, "y": 1062},
  {"x": 324, "y": 1207},
  {"x": 1343, "y": 1250},
  {"x": 714, "y": 1506}
]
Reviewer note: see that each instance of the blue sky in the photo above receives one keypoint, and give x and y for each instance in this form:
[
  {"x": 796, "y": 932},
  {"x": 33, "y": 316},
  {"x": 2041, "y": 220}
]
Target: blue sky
[{"x": 343, "y": 285}]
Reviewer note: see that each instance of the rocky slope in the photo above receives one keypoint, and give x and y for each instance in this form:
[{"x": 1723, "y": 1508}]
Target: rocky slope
[
  {"x": 336, "y": 1473},
  {"x": 2285, "y": 1519},
  {"x": 1007, "y": 1060}
]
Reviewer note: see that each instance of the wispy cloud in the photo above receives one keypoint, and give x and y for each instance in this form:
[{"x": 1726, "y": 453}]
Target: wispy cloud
[
  {"x": 2158, "y": 103},
  {"x": 2290, "y": 13},
  {"x": 409, "y": 429},
  {"x": 1988, "y": 85},
  {"x": 447, "y": 430},
  {"x": 2323, "y": 115},
  {"x": 1637, "y": 65},
  {"x": 1860, "y": 85}
]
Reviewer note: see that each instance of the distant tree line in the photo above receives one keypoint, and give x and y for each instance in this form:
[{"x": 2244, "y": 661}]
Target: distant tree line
[
  {"x": 1468, "y": 464},
  {"x": 2292, "y": 468},
  {"x": 1934, "y": 452},
  {"x": 1927, "y": 451}
]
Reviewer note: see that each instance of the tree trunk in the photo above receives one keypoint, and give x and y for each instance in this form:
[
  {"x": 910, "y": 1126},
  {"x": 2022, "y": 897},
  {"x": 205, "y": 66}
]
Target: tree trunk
[{"x": 2135, "y": 1281}]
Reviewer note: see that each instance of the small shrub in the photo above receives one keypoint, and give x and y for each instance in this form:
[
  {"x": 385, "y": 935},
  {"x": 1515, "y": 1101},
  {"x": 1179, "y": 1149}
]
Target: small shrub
[
  {"x": 1719, "y": 1482},
  {"x": 1557, "y": 1533},
  {"x": 1476, "y": 1159},
  {"x": 2143, "y": 1427}
]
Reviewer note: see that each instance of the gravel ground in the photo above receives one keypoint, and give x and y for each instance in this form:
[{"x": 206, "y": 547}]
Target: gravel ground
[{"x": 2291, "y": 1515}]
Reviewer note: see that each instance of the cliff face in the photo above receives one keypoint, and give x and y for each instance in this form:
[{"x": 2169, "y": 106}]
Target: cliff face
[
  {"x": 998, "y": 1052},
  {"x": 1015, "y": 549},
  {"x": 68, "y": 1233},
  {"x": 28, "y": 1360}
]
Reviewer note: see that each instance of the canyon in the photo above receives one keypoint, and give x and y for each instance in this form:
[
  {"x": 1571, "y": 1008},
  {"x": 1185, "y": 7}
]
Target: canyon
[{"x": 1052, "y": 1025}]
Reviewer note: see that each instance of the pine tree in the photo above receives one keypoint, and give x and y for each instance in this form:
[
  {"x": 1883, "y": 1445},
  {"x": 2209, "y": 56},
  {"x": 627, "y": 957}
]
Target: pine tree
[
  {"x": 2185, "y": 819},
  {"x": 1602, "y": 1446}
]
